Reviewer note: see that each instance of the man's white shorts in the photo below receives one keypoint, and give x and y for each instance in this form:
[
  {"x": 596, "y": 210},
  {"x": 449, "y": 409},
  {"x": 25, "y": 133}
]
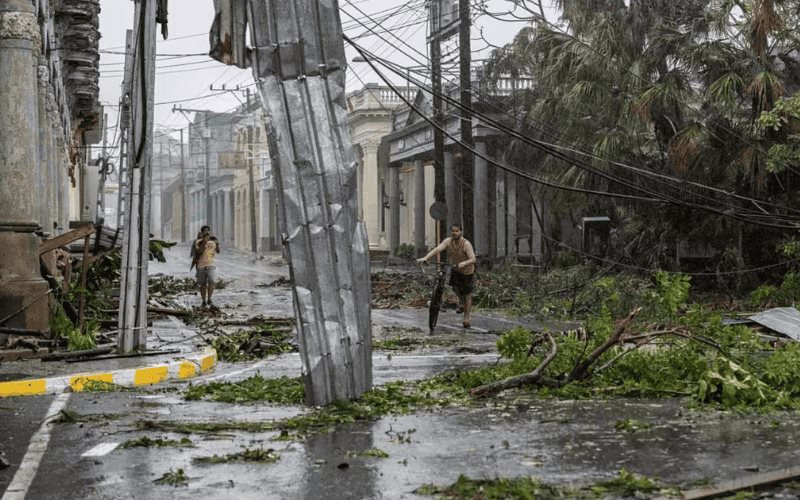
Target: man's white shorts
[{"x": 206, "y": 275}]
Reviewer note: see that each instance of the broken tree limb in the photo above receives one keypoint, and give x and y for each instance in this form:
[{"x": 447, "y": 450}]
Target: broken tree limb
[
  {"x": 582, "y": 370},
  {"x": 170, "y": 312},
  {"x": 519, "y": 380}
]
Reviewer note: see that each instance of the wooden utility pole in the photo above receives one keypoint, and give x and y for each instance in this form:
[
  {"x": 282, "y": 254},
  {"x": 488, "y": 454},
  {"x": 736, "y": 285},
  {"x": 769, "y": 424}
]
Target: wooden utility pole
[
  {"x": 467, "y": 161},
  {"x": 298, "y": 61},
  {"x": 136, "y": 236}
]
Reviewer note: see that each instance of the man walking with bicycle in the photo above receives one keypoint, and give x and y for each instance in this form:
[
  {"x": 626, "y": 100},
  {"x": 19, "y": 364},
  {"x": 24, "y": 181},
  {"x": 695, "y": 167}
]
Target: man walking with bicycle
[{"x": 462, "y": 257}]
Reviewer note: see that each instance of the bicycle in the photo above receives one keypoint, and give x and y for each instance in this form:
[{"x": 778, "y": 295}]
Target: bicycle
[{"x": 438, "y": 291}]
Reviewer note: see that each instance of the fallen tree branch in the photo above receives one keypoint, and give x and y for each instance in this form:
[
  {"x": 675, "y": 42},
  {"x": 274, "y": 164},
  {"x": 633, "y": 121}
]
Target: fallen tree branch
[
  {"x": 170, "y": 312},
  {"x": 583, "y": 369},
  {"x": 519, "y": 380}
]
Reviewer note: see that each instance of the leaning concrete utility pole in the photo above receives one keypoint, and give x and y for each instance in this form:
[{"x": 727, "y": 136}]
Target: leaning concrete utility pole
[
  {"x": 299, "y": 62},
  {"x": 136, "y": 236}
]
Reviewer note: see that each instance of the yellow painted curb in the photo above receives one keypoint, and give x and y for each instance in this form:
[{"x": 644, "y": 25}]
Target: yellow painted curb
[
  {"x": 180, "y": 369},
  {"x": 23, "y": 388}
]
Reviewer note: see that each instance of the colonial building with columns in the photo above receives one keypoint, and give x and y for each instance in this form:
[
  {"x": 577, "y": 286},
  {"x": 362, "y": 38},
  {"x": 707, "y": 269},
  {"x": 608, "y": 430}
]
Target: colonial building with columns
[
  {"x": 503, "y": 208},
  {"x": 371, "y": 112},
  {"x": 48, "y": 100}
]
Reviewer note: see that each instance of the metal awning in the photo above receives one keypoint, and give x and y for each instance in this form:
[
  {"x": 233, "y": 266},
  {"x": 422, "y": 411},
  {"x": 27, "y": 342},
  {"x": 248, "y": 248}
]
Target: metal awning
[{"x": 783, "y": 320}]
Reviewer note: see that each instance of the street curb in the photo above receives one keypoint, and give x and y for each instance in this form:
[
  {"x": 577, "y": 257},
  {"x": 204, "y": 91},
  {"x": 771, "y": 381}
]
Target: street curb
[{"x": 181, "y": 369}]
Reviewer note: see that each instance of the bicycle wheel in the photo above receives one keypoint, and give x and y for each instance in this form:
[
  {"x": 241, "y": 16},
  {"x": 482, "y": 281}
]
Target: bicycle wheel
[{"x": 436, "y": 304}]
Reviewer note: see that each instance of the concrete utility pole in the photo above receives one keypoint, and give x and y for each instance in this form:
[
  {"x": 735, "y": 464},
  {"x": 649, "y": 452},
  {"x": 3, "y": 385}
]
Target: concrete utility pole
[
  {"x": 23, "y": 293},
  {"x": 438, "y": 134},
  {"x": 253, "y": 228},
  {"x": 465, "y": 81},
  {"x": 299, "y": 68},
  {"x": 184, "y": 189},
  {"x": 136, "y": 236}
]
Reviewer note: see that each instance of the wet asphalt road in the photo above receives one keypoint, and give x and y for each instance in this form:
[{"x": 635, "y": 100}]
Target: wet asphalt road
[{"x": 561, "y": 442}]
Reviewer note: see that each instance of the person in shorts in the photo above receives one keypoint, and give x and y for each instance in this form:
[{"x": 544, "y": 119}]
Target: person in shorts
[
  {"x": 206, "y": 249},
  {"x": 462, "y": 257}
]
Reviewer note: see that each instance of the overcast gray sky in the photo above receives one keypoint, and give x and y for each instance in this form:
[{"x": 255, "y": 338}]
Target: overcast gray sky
[{"x": 180, "y": 75}]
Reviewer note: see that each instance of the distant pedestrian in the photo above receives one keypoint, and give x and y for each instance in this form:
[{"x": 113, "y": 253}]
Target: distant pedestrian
[
  {"x": 462, "y": 257},
  {"x": 193, "y": 248},
  {"x": 206, "y": 249}
]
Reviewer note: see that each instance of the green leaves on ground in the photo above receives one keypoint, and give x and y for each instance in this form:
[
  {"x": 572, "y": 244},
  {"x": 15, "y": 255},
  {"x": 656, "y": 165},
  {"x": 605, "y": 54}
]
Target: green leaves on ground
[
  {"x": 626, "y": 484},
  {"x": 283, "y": 390},
  {"x": 146, "y": 442},
  {"x": 245, "y": 345},
  {"x": 260, "y": 455},
  {"x": 173, "y": 478}
]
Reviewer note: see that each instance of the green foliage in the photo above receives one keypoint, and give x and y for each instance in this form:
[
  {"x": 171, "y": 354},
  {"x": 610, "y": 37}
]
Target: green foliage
[
  {"x": 405, "y": 251},
  {"x": 283, "y": 390},
  {"x": 146, "y": 442},
  {"x": 672, "y": 292},
  {"x": 515, "y": 344},
  {"x": 249, "y": 455},
  {"x": 484, "y": 298},
  {"x": 786, "y": 294},
  {"x": 245, "y": 345},
  {"x": 782, "y": 370},
  {"x": 62, "y": 327},
  {"x": 627, "y": 484},
  {"x": 157, "y": 249},
  {"x": 630, "y": 425},
  {"x": 173, "y": 478},
  {"x": 493, "y": 489},
  {"x": 731, "y": 385}
]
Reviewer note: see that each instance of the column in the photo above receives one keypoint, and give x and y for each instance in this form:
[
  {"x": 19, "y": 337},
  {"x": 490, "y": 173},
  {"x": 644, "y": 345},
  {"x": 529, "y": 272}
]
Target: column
[
  {"x": 371, "y": 192},
  {"x": 419, "y": 208},
  {"x": 42, "y": 173},
  {"x": 394, "y": 210},
  {"x": 501, "y": 213},
  {"x": 21, "y": 286},
  {"x": 452, "y": 191},
  {"x": 263, "y": 230},
  {"x": 216, "y": 227},
  {"x": 511, "y": 208},
  {"x": 228, "y": 216},
  {"x": 480, "y": 202}
]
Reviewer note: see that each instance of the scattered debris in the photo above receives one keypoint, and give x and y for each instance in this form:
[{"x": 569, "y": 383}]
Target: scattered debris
[
  {"x": 146, "y": 442},
  {"x": 630, "y": 425},
  {"x": 626, "y": 485},
  {"x": 393, "y": 290},
  {"x": 782, "y": 320},
  {"x": 260, "y": 455},
  {"x": 173, "y": 478},
  {"x": 283, "y": 390},
  {"x": 372, "y": 452},
  {"x": 280, "y": 282},
  {"x": 245, "y": 345}
]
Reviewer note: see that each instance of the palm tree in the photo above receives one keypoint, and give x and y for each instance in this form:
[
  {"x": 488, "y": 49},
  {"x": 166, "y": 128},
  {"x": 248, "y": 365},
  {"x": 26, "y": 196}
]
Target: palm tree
[{"x": 674, "y": 87}]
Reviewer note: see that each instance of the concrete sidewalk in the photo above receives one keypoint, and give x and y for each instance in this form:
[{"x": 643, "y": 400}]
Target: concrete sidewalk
[
  {"x": 164, "y": 368},
  {"x": 168, "y": 334}
]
